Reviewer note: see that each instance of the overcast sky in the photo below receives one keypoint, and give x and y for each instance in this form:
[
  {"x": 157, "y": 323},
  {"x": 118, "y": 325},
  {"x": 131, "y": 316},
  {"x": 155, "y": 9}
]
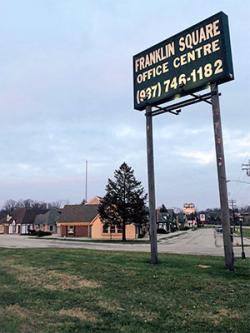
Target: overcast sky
[{"x": 66, "y": 96}]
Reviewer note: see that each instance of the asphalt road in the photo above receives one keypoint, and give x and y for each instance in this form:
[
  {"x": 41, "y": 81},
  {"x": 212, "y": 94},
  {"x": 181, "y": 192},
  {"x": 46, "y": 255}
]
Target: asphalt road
[{"x": 199, "y": 242}]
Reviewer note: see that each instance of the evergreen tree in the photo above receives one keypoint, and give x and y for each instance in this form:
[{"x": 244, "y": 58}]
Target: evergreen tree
[
  {"x": 163, "y": 209},
  {"x": 124, "y": 202}
]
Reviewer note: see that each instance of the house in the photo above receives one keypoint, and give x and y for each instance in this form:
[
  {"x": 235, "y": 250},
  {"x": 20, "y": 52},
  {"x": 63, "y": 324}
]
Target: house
[
  {"x": 2, "y": 220},
  {"x": 9, "y": 222},
  {"x": 84, "y": 221},
  {"x": 75, "y": 220},
  {"x": 100, "y": 230},
  {"x": 189, "y": 208},
  {"x": 20, "y": 221},
  {"x": 166, "y": 220},
  {"x": 4, "y": 225},
  {"x": 47, "y": 221}
]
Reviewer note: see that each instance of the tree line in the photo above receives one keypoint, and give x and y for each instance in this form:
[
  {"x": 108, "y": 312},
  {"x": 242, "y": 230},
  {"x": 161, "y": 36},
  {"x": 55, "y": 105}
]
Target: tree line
[{"x": 10, "y": 205}]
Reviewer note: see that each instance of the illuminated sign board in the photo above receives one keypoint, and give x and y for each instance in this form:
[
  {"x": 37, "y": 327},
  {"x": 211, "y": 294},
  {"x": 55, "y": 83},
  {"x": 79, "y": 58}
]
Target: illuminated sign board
[{"x": 183, "y": 64}]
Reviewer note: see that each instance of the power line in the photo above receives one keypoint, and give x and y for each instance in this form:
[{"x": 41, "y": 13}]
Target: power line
[
  {"x": 238, "y": 190},
  {"x": 246, "y": 167},
  {"x": 238, "y": 181}
]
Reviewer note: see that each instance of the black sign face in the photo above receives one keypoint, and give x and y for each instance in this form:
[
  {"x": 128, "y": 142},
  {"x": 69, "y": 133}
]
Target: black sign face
[{"x": 185, "y": 63}]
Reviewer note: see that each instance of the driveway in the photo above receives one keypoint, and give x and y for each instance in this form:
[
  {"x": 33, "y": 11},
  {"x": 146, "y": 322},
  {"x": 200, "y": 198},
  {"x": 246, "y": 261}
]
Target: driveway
[{"x": 199, "y": 242}]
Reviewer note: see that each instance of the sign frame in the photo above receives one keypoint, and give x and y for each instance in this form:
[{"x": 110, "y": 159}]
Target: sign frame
[
  {"x": 219, "y": 149},
  {"x": 186, "y": 73}
]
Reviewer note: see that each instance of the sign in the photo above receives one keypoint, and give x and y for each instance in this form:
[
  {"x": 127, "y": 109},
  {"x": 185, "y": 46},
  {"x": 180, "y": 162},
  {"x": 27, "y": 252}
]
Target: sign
[
  {"x": 202, "y": 217},
  {"x": 183, "y": 64}
]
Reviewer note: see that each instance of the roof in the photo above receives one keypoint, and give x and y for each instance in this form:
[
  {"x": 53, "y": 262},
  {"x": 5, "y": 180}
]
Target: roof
[
  {"x": 78, "y": 213},
  {"x": 7, "y": 219},
  {"x": 2, "y": 214},
  {"x": 26, "y": 215},
  {"x": 31, "y": 214},
  {"x": 18, "y": 215},
  {"x": 49, "y": 217},
  {"x": 3, "y": 220},
  {"x": 94, "y": 201}
]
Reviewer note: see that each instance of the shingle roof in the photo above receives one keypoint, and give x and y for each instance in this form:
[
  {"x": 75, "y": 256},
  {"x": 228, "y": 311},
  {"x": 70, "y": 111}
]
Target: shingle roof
[
  {"x": 3, "y": 220},
  {"x": 25, "y": 215},
  {"x": 2, "y": 214},
  {"x": 30, "y": 215},
  {"x": 49, "y": 217},
  {"x": 18, "y": 215},
  {"x": 78, "y": 213}
]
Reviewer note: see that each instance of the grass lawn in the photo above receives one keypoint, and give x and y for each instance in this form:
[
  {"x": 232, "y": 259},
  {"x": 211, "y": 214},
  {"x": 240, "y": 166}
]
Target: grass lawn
[
  {"x": 55, "y": 290},
  {"x": 113, "y": 241},
  {"x": 246, "y": 232}
]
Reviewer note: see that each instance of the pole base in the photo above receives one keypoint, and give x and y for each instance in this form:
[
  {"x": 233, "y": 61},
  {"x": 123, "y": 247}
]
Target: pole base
[{"x": 243, "y": 256}]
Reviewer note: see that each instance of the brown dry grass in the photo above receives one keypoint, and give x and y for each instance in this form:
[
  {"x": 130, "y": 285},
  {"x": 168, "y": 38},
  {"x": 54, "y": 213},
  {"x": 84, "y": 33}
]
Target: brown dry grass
[
  {"x": 68, "y": 281},
  {"x": 17, "y": 310},
  {"x": 14, "y": 313},
  {"x": 53, "y": 280},
  {"x": 111, "y": 306},
  {"x": 79, "y": 313},
  {"x": 114, "y": 306},
  {"x": 145, "y": 315},
  {"x": 221, "y": 314}
]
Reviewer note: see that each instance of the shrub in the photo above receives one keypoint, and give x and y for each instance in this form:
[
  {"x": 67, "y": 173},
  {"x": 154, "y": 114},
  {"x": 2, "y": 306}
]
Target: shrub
[
  {"x": 39, "y": 233},
  {"x": 162, "y": 231}
]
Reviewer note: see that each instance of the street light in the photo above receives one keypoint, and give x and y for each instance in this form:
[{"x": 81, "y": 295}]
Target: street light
[{"x": 243, "y": 256}]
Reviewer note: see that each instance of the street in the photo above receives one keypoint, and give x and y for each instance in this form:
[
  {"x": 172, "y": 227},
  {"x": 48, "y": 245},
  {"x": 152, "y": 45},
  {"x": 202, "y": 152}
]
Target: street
[{"x": 198, "y": 242}]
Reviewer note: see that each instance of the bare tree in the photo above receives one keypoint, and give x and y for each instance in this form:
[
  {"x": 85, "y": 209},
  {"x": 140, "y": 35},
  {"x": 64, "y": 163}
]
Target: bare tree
[{"x": 10, "y": 205}]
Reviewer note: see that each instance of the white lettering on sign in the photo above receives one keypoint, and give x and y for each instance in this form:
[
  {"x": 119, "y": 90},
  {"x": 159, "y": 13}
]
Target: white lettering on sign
[
  {"x": 153, "y": 72},
  {"x": 197, "y": 53},
  {"x": 154, "y": 57},
  {"x": 198, "y": 36},
  {"x": 187, "y": 62}
]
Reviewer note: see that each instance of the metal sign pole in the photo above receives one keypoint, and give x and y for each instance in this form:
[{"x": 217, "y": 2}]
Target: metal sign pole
[
  {"x": 151, "y": 186},
  {"x": 228, "y": 247}
]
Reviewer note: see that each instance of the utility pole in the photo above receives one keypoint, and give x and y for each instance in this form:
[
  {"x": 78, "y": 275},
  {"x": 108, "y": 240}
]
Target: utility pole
[
  {"x": 151, "y": 186},
  {"x": 232, "y": 204},
  {"x": 246, "y": 167},
  {"x": 222, "y": 180},
  {"x": 86, "y": 181}
]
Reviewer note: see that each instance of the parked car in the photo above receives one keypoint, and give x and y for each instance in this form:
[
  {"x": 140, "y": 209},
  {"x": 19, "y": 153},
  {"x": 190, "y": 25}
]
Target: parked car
[{"x": 219, "y": 229}]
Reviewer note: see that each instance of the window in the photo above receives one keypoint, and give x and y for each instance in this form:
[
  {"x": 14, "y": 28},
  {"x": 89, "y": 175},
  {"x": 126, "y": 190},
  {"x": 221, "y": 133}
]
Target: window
[
  {"x": 51, "y": 228},
  {"x": 112, "y": 229},
  {"x": 105, "y": 228},
  {"x": 119, "y": 229},
  {"x": 70, "y": 229}
]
